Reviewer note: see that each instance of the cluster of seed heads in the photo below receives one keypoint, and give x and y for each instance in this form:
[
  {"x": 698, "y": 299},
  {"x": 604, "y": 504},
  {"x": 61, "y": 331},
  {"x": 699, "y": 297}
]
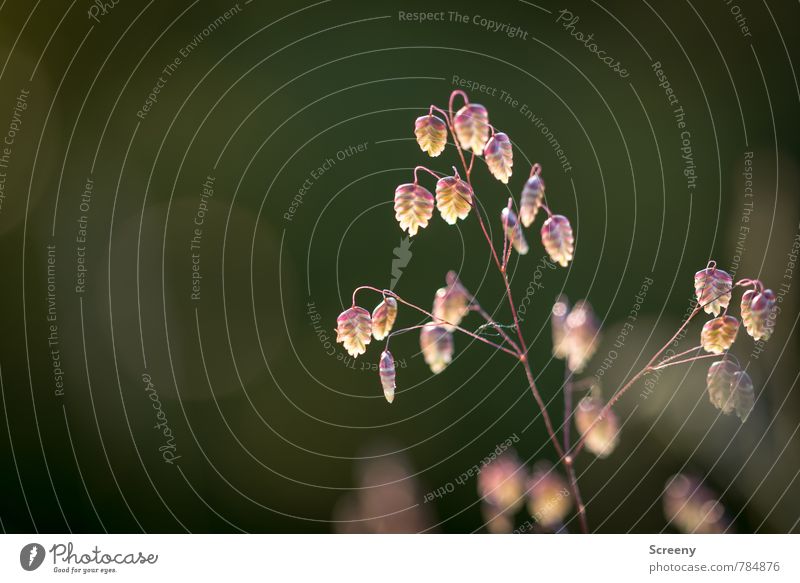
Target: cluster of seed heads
[{"x": 575, "y": 330}]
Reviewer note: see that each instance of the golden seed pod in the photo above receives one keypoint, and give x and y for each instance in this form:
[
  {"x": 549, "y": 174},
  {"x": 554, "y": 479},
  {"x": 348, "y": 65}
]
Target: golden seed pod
[
  {"x": 431, "y": 133},
  {"x": 514, "y": 231},
  {"x": 471, "y": 124},
  {"x": 453, "y": 199},
  {"x": 499, "y": 157},
  {"x": 713, "y": 287},
  {"x": 413, "y": 206},
  {"x": 531, "y": 199},
  {"x": 718, "y": 334},
  {"x": 387, "y": 374},
  {"x": 437, "y": 347},
  {"x": 730, "y": 389},
  {"x": 600, "y": 437},
  {"x": 558, "y": 239},
  {"x": 758, "y": 313},
  {"x": 354, "y": 330},
  {"x": 383, "y": 317}
]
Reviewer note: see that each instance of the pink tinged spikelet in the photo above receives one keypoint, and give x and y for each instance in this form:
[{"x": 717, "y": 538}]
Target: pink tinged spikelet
[
  {"x": 501, "y": 483},
  {"x": 354, "y": 330},
  {"x": 431, "y": 134},
  {"x": 453, "y": 199},
  {"x": 718, "y": 334},
  {"x": 437, "y": 347},
  {"x": 450, "y": 305},
  {"x": 471, "y": 124},
  {"x": 602, "y": 437},
  {"x": 730, "y": 389},
  {"x": 548, "y": 496},
  {"x": 514, "y": 231},
  {"x": 499, "y": 157},
  {"x": 558, "y": 240},
  {"x": 388, "y": 376},
  {"x": 713, "y": 287},
  {"x": 582, "y": 330},
  {"x": 531, "y": 200},
  {"x": 758, "y": 313},
  {"x": 413, "y": 206},
  {"x": 383, "y": 317}
]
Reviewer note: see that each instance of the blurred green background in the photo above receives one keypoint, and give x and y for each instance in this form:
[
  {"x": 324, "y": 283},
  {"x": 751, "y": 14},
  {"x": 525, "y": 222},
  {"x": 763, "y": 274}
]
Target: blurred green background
[{"x": 274, "y": 431}]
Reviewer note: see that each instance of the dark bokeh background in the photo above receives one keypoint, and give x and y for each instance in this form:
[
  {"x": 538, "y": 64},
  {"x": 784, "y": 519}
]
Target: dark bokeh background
[{"x": 273, "y": 431}]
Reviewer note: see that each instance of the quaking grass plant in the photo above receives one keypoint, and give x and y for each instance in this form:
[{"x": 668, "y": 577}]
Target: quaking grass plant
[{"x": 575, "y": 331}]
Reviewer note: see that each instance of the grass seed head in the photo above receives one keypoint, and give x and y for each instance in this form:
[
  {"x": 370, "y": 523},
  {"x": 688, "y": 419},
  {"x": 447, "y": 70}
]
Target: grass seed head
[
  {"x": 354, "y": 330},
  {"x": 383, "y": 317},
  {"x": 387, "y": 374},
  {"x": 413, "y": 206},
  {"x": 713, "y": 287},
  {"x": 453, "y": 198},
  {"x": 558, "y": 239},
  {"x": 531, "y": 199},
  {"x": 499, "y": 157},
  {"x": 719, "y": 334},
  {"x": 431, "y": 133},
  {"x": 471, "y": 124}
]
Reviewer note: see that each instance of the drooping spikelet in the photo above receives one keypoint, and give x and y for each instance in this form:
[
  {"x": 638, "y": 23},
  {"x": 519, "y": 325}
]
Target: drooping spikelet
[
  {"x": 471, "y": 124},
  {"x": 730, "y": 388},
  {"x": 514, "y": 231},
  {"x": 718, "y": 334},
  {"x": 354, "y": 330},
  {"x": 501, "y": 482},
  {"x": 450, "y": 305},
  {"x": 499, "y": 157},
  {"x": 758, "y": 313},
  {"x": 713, "y": 287},
  {"x": 600, "y": 437},
  {"x": 431, "y": 133},
  {"x": 387, "y": 373},
  {"x": 548, "y": 496},
  {"x": 531, "y": 200},
  {"x": 558, "y": 240},
  {"x": 437, "y": 347},
  {"x": 582, "y": 329},
  {"x": 413, "y": 206},
  {"x": 383, "y": 317},
  {"x": 453, "y": 198}
]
